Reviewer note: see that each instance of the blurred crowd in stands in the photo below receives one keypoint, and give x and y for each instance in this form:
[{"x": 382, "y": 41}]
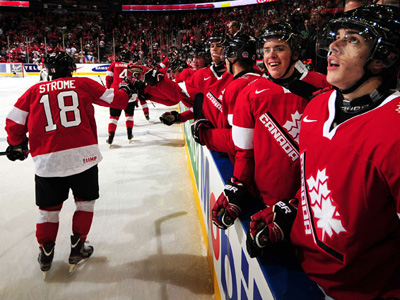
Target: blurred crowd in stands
[{"x": 98, "y": 37}]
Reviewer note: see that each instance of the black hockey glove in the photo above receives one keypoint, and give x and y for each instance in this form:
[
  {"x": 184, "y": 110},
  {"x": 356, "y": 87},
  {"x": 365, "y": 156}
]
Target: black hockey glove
[
  {"x": 131, "y": 85},
  {"x": 270, "y": 226},
  {"x": 153, "y": 77},
  {"x": 20, "y": 151},
  {"x": 197, "y": 127},
  {"x": 170, "y": 117},
  {"x": 229, "y": 204}
]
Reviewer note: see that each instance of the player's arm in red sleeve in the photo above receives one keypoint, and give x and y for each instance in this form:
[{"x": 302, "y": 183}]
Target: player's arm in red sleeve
[
  {"x": 219, "y": 139},
  {"x": 110, "y": 75},
  {"x": 186, "y": 116},
  {"x": 243, "y": 139},
  {"x": 16, "y": 120},
  {"x": 163, "y": 66},
  {"x": 106, "y": 97}
]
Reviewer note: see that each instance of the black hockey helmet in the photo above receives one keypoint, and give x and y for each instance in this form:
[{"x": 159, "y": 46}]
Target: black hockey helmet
[
  {"x": 379, "y": 24},
  {"x": 178, "y": 65},
  {"x": 242, "y": 47},
  {"x": 173, "y": 53},
  {"x": 286, "y": 32},
  {"x": 217, "y": 37},
  {"x": 59, "y": 64},
  {"x": 198, "y": 50},
  {"x": 125, "y": 56}
]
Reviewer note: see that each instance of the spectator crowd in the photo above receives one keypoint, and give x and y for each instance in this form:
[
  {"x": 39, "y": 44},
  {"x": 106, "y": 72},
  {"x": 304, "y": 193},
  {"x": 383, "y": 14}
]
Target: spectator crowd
[{"x": 97, "y": 37}]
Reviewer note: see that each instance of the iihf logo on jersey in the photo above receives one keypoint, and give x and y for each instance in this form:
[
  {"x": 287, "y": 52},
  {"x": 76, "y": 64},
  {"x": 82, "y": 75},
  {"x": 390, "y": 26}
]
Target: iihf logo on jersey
[
  {"x": 325, "y": 214},
  {"x": 293, "y": 126}
]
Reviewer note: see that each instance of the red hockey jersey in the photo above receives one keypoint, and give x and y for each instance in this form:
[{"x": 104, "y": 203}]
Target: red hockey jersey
[
  {"x": 347, "y": 227},
  {"x": 266, "y": 124},
  {"x": 208, "y": 82},
  {"x": 116, "y": 72},
  {"x": 204, "y": 81},
  {"x": 59, "y": 116},
  {"x": 220, "y": 139}
]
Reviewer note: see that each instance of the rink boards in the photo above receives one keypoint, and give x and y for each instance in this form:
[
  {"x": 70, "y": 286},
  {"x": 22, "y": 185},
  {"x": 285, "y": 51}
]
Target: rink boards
[
  {"x": 81, "y": 69},
  {"x": 276, "y": 275}
]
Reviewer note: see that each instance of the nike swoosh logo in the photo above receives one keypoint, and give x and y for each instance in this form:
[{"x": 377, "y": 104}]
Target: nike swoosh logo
[
  {"x": 260, "y": 91},
  {"x": 48, "y": 253},
  {"x": 307, "y": 120},
  {"x": 206, "y": 78}
]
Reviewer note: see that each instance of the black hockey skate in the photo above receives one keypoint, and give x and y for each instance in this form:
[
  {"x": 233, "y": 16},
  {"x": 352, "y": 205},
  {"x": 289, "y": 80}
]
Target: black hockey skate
[
  {"x": 147, "y": 116},
  {"x": 45, "y": 258},
  {"x": 110, "y": 138},
  {"x": 79, "y": 252},
  {"x": 129, "y": 133}
]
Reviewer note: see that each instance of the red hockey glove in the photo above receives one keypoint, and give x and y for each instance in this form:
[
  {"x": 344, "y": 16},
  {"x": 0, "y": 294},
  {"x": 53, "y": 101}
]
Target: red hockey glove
[
  {"x": 19, "y": 152},
  {"x": 197, "y": 128},
  {"x": 170, "y": 117},
  {"x": 270, "y": 226},
  {"x": 229, "y": 204}
]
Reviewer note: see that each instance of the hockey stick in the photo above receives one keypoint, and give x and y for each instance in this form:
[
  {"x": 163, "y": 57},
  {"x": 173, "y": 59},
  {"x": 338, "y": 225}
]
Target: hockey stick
[
  {"x": 101, "y": 81},
  {"x": 4, "y": 153},
  {"x": 198, "y": 106}
]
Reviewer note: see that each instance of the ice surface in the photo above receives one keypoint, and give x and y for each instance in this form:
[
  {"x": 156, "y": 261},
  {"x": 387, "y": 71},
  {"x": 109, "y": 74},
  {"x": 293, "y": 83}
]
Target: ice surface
[{"x": 146, "y": 233}]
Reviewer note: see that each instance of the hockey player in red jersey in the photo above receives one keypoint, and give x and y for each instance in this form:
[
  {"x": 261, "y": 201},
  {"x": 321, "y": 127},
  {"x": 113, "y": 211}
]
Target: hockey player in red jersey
[
  {"x": 116, "y": 73},
  {"x": 167, "y": 92},
  {"x": 283, "y": 43},
  {"x": 240, "y": 56},
  {"x": 346, "y": 227},
  {"x": 210, "y": 81},
  {"x": 266, "y": 123},
  {"x": 59, "y": 118}
]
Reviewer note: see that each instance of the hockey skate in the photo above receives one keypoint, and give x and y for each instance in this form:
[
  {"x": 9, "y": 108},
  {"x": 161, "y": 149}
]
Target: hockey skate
[
  {"x": 45, "y": 258},
  {"x": 147, "y": 116},
  {"x": 110, "y": 138},
  {"x": 129, "y": 133},
  {"x": 79, "y": 253}
]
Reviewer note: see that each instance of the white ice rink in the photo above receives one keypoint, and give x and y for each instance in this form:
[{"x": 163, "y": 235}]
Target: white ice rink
[{"x": 145, "y": 232}]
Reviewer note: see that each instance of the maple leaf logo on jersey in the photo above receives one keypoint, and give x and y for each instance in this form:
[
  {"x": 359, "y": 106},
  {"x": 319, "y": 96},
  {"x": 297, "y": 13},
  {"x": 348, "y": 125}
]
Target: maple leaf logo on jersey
[
  {"x": 326, "y": 215},
  {"x": 293, "y": 126}
]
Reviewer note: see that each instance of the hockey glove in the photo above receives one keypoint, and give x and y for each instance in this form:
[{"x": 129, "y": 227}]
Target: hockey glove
[
  {"x": 170, "y": 117},
  {"x": 137, "y": 71},
  {"x": 270, "y": 226},
  {"x": 126, "y": 86},
  {"x": 131, "y": 85},
  {"x": 229, "y": 204},
  {"x": 197, "y": 127},
  {"x": 20, "y": 151},
  {"x": 153, "y": 77}
]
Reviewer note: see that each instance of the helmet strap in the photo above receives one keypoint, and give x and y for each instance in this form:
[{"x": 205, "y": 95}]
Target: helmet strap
[
  {"x": 231, "y": 65},
  {"x": 367, "y": 75}
]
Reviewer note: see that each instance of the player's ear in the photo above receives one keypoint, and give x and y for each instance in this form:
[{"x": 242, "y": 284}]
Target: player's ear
[{"x": 376, "y": 66}]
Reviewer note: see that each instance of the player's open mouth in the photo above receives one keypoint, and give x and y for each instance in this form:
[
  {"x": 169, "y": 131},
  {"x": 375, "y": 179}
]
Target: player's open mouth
[
  {"x": 332, "y": 62},
  {"x": 274, "y": 64}
]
